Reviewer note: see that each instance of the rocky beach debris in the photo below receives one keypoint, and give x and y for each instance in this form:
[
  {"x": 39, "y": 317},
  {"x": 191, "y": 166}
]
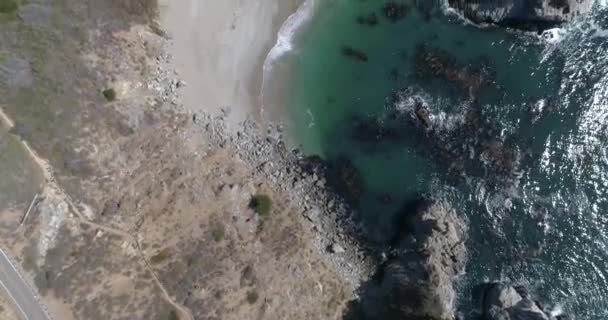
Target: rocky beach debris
[
  {"x": 522, "y": 14},
  {"x": 308, "y": 181}
]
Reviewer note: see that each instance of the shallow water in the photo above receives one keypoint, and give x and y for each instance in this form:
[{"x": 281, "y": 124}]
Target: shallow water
[{"x": 543, "y": 220}]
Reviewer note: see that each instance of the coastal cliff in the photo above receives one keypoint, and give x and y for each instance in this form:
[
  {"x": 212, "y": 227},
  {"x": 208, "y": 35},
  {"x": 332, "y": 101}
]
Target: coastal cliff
[{"x": 417, "y": 280}]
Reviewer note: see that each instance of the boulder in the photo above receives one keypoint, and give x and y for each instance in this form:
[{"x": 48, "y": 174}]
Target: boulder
[
  {"x": 500, "y": 301},
  {"x": 417, "y": 281},
  {"x": 535, "y": 15}
]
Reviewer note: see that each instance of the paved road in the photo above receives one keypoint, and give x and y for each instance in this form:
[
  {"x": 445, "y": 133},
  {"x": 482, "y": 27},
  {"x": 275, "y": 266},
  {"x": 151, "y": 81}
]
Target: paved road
[{"x": 19, "y": 291}]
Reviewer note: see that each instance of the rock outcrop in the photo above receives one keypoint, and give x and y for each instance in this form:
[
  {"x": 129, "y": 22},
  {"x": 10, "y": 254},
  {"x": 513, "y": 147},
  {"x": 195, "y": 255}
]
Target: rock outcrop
[
  {"x": 416, "y": 282},
  {"x": 499, "y": 301},
  {"x": 522, "y": 14}
]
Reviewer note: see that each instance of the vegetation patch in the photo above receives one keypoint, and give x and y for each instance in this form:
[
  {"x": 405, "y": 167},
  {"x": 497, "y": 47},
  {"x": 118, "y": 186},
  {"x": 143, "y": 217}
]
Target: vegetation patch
[
  {"x": 218, "y": 233},
  {"x": 172, "y": 315},
  {"x": 8, "y": 7},
  {"x": 4, "y": 55},
  {"x": 261, "y": 204},
  {"x": 109, "y": 94},
  {"x": 161, "y": 256},
  {"x": 252, "y": 296}
]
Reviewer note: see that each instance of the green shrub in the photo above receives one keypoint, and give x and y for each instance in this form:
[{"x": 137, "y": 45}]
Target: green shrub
[
  {"x": 161, "y": 256},
  {"x": 252, "y": 296},
  {"x": 218, "y": 233},
  {"x": 261, "y": 204},
  {"x": 172, "y": 315},
  {"x": 109, "y": 94},
  {"x": 8, "y": 6},
  {"x": 3, "y": 55}
]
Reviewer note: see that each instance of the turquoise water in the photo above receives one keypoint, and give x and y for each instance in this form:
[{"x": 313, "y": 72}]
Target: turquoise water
[{"x": 539, "y": 219}]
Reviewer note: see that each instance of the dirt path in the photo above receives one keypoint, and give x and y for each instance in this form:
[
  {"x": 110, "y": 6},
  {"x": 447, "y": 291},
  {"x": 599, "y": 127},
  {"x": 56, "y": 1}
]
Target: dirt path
[{"x": 51, "y": 183}]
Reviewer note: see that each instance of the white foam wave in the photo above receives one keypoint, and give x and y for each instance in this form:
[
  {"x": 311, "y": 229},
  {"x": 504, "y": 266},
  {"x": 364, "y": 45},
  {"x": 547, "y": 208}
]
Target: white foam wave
[
  {"x": 553, "y": 36},
  {"x": 285, "y": 40},
  {"x": 287, "y": 33}
]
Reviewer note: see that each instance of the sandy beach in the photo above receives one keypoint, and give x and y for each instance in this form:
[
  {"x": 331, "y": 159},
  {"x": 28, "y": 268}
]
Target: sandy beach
[{"x": 219, "y": 48}]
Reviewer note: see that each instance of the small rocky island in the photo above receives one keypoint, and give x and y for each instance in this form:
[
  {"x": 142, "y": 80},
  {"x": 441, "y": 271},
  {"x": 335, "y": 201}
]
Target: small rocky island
[{"x": 500, "y": 301}]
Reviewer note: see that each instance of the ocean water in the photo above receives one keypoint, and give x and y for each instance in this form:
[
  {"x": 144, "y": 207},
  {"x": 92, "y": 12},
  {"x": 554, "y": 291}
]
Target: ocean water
[{"x": 522, "y": 155}]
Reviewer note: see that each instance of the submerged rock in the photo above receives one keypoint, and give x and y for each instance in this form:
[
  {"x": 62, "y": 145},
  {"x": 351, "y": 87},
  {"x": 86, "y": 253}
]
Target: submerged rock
[
  {"x": 353, "y": 53},
  {"x": 368, "y": 20},
  {"x": 535, "y": 15},
  {"x": 346, "y": 178},
  {"x": 437, "y": 63},
  {"x": 463, "y": 143},
  {"x": 395, "y": 11}
]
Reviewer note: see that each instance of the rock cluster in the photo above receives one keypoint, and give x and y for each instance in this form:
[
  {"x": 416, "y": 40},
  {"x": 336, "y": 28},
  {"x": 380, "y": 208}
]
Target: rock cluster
[
  {"x": 416, "y": 281},
  {"x": 418, "y": 278},
  {"x": 500, "y": 301},
  {"x": 536, "y": 15},
  {"x": 433, "y": 62},
  {"x": 305, "y": 179}
]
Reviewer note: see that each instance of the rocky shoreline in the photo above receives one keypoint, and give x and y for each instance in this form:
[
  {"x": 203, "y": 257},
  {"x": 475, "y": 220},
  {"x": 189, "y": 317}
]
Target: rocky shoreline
[
  {"x": 329, "y": 217},
  {"x": 527, "y": 15},
  {"x": 416, "y": 280}
]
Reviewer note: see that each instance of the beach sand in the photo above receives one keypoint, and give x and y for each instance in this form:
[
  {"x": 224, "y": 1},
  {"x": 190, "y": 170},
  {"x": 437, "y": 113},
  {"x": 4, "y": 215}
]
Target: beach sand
[{"x": 219, "y": 48}]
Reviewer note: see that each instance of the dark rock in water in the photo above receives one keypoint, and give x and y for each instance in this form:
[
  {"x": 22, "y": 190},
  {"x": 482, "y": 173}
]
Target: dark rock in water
[
  {"x": 499, "y": 301},
  {"x": 416, "y": 282},
  {"x": 462, "y": 144},
  {"x": 368, "y": 20},
  {"x": 394, "y": 74},
  {"x": 395, "y": 11},
  {"x": 422, "y": 113},
  {"x": 437, "y": 63},
  {"x": 354, "y": 53},
  {"x": 346, "y": 178},
  {"x": 371, "y": 129},
  {"x": 385, "y": 198},
  {"x": 537, "y": 15}
]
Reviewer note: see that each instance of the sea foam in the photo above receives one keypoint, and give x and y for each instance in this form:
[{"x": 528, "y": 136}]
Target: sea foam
[
  {"x": 287, "y": 33},
  {"x": 285, "y": 40}
]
